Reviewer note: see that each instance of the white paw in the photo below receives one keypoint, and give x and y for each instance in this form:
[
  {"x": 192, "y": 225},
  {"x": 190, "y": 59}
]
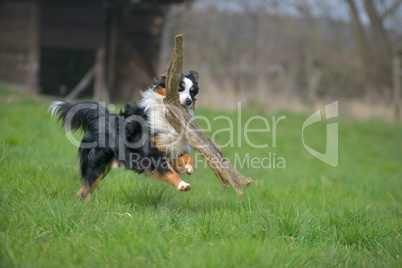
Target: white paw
[
  {"x": 184, "y": 186},
  {"x": 188, "y": 169}
]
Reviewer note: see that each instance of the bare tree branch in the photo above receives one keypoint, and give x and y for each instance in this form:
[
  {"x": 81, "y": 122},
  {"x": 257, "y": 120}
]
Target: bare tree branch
[
  {"x": 362, "y": 43},
  {"x": 381, "y": 36},
  {"x": 391, "y": 9}
]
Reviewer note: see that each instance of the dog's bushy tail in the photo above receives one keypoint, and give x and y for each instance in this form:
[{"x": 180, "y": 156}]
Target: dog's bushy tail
[{"x": 77, "y": 115}]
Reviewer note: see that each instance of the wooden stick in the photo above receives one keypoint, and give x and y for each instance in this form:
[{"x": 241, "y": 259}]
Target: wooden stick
[{"x": 184, "y": 124}]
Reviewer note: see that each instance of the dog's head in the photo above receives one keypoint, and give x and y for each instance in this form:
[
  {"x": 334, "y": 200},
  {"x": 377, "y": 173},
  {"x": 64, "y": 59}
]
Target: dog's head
[{"x": 188, "y": 88}]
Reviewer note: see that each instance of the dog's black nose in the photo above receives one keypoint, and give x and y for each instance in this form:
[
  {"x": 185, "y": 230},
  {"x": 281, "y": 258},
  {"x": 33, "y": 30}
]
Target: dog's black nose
[{"x": 188, "y": 101}]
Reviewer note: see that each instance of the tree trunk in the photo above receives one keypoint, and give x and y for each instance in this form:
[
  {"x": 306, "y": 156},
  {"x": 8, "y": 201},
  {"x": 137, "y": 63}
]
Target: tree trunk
[
  {"x": 383, "y": 48},
  {"x": 362, "y": 44}
]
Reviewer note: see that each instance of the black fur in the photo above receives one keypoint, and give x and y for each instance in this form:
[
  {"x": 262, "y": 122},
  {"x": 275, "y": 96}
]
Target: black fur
[{"x": 110, "y": 134}]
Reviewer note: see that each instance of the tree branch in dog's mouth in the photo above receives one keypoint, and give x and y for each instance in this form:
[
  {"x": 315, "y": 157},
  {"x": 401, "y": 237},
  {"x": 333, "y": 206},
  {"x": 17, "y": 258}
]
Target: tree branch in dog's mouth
[{"x": 183, "y": 122}]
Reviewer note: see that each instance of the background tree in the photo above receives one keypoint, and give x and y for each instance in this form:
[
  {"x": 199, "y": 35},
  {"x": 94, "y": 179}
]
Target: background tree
[{"x": 373, "y": 41}]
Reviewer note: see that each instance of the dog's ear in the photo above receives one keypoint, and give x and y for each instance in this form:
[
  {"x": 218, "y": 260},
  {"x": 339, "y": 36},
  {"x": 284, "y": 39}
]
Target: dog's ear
[
  {"x": 161, "y": 81},
  {"x": 193, "y": 75},
  {"x": 163, "y": 78}
]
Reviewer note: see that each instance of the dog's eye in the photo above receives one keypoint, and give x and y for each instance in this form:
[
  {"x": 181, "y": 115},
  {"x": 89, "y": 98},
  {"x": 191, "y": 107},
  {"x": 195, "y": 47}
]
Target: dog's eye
[
  {"x": 182, "y": 87},
  {"x": 194, "y": 91}
]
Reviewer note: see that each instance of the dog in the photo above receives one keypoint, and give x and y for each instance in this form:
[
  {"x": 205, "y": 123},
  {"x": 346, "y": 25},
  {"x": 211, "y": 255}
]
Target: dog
[{"x": 139, "y": 137}]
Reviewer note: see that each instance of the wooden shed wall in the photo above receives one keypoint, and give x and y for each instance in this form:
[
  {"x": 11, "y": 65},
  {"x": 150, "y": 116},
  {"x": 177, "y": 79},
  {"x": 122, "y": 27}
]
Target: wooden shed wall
[
  {"x": 72, "y": 24},
  {"x": 19, "y": 52},
  {"x": 137, "y": 41},
  {"x": 71, "y": 32},
  {"x": 46, "y": 46}
]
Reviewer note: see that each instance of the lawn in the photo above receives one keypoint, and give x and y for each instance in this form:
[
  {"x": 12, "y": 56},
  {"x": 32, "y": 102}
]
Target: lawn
[{"x": 305, "y": 213}]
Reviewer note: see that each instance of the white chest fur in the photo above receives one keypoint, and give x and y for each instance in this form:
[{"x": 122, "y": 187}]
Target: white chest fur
[{"x": 175, "y": 145}]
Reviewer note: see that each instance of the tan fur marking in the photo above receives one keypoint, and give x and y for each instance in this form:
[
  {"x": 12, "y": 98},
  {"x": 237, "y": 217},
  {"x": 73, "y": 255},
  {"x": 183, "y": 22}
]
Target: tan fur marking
[
  {"x": 180, "y": 164},
  {"x": 88, "y": 197},
  {"x": 192, "y": 89},
  {"x": 183, "y": 85},
  {"x": 80, "y": 191},
  {"x": 160, "y": 147},
  {"x": 160, "y": 90},
  {"x": 88, "y": 192},
  {"x": 171, "y": 178}
]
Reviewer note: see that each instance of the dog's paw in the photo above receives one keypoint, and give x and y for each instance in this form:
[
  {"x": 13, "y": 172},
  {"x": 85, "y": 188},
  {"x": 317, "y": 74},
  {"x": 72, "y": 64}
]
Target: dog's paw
[
  {"x": 115, "y": 164},
  {"x": 184, "y": 186},
  {"x": 189, "y": 169}
]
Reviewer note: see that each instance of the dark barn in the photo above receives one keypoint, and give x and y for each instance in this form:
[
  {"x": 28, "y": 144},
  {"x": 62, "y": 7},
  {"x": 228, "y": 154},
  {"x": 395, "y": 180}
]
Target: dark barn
[{"x": 98, "y": 48}]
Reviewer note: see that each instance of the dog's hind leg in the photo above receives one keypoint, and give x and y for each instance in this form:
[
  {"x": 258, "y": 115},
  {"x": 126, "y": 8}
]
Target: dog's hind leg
[
  {"x": 95, "y": 165},
  {"x": 91, "y": 181},
  {"x": 90, "y": 185},
  {"x": 80, "y": 191}
]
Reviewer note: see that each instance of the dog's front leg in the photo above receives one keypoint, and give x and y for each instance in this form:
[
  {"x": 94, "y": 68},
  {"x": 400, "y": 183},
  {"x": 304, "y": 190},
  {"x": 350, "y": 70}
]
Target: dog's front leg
[
  {"x": 184, "y": 164},
  {"x": 171, "y": 177}
]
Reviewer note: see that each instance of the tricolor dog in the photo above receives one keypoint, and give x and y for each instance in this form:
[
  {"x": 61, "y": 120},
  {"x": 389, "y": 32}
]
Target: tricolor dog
[{"x": 139, "y": 137}]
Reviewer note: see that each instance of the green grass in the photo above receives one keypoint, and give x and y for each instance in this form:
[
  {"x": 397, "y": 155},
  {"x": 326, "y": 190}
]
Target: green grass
[{"x": 308, "y": 214}]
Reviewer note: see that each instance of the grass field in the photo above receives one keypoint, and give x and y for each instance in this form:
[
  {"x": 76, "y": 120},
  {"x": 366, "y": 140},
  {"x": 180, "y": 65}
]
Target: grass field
[{"x": 307, "y": 214}]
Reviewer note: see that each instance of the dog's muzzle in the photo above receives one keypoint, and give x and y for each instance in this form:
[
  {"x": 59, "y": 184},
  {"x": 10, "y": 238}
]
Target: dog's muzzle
[{"x": 186, "y": 100}]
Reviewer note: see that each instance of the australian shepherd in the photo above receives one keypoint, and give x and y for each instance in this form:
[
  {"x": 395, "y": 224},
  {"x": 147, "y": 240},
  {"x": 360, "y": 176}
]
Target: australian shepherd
[{"x": 139, "y": 137}]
